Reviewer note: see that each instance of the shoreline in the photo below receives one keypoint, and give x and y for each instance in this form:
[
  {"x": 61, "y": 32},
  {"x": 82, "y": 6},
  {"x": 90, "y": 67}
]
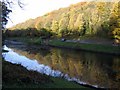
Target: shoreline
[
  {"x": 60, "y": 78},
  {"x": 89, "y": 47},
  {"x": 23, "y": 77}
]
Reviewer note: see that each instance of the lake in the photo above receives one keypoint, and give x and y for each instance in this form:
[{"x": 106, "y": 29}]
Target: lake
[{"x": 94, "y": 69}]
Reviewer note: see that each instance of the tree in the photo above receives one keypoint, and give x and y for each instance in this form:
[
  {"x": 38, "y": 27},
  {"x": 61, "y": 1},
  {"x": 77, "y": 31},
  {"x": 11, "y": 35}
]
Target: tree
[
  {"x": 55, "y": 27},
  {"x": 4, "y": 15},
  {"x": 78, "y": 26},
  {"x": 48, "y": 25},
  {"x": 72, "y": 19},
  {"x": 115, "y": 21},
  {"x": 5, "y": 5},
  {"x": 91, "y": 18},
  {"x": 63, "y": 24}
]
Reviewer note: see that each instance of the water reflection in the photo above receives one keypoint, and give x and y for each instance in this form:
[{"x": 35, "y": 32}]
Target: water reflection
[
  {"x": 95, "y": 69},
  {"x": 30, "y": 64}
]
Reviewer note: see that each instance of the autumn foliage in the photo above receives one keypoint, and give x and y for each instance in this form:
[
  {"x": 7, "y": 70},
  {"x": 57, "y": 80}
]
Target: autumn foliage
[{"x": 101, "y": 19}]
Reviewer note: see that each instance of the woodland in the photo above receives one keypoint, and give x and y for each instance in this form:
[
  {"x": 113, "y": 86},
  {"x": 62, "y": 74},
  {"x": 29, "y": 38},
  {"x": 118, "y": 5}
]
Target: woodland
[{"x": 96, "y": 19}]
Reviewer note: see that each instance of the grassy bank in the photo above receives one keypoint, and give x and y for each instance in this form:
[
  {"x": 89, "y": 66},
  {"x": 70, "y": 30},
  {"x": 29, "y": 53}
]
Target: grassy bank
[
  {"x": 85, "y": 46},
  {"x": 28, "y": 40},
  {"x": 16, "y": 76},
  {"x": 102, "y": 48}
]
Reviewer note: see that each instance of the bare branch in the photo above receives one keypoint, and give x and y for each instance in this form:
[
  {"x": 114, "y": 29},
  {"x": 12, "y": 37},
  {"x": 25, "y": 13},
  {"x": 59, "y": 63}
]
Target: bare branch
[{"x": 20, "y": 4}]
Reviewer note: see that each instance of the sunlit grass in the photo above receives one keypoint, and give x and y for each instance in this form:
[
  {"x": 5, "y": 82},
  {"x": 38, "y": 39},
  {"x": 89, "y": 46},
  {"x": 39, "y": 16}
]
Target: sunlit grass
[{"x": 86, "y": 46}]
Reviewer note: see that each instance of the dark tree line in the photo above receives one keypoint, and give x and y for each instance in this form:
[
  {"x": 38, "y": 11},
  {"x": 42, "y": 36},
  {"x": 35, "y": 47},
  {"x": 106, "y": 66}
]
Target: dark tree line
[{"x": 99, "y": 19}]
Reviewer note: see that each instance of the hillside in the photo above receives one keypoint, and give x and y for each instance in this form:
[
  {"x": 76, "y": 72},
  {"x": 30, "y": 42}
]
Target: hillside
[{"x": 99, "y": 19}]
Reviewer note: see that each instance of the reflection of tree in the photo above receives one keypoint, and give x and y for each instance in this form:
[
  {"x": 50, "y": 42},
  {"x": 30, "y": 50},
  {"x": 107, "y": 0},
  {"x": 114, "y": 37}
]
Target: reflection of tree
[
  {"x": 79, "y": 68},
  {"x": 38, "y": 49},
  {"x": 99, "y": 69},
  {"x": 71, "y": 67},
  {"x": 38, "y": 56},
  {"x": 63, "y": 62},
  {"x": 32, "y": 53},
  {"x": 116, "y": 66},
  {"x": 87, "y": 67},
  {"x": 55, "y": 58}
]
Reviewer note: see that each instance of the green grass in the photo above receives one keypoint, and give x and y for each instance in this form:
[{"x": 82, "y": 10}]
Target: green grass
[
  {"x": 16, "y": 76},
  {"x": 61, "y": 83},
  {"x": 35, "y": 41},
  {"x": 89, "y": 47},
  {"x": 29, "y": 40},
  {"x": 74, "y": 45}
]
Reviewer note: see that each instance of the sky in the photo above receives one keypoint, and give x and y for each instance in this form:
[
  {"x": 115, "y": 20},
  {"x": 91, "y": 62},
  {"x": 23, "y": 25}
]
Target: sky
[{"x": 35, "y": 8}]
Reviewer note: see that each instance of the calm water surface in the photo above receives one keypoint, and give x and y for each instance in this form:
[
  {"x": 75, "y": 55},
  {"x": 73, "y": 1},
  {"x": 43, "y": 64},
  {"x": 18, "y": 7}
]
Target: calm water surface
[{"x": 98, "y": 70}]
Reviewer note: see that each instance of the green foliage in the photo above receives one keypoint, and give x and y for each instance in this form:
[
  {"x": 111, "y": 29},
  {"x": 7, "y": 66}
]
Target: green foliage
[
  {"x": 54, "y": 26},
  {"x": 29, "y": 32},
  {"x": 44, "y": 33},
  {"x": 115, "y": 21},
  {"x": 85, "y": 18},
  {"x": 4, "y": 14},
  {"x": 116, "y": 33},
  {"x": 63, "y": 24}
]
